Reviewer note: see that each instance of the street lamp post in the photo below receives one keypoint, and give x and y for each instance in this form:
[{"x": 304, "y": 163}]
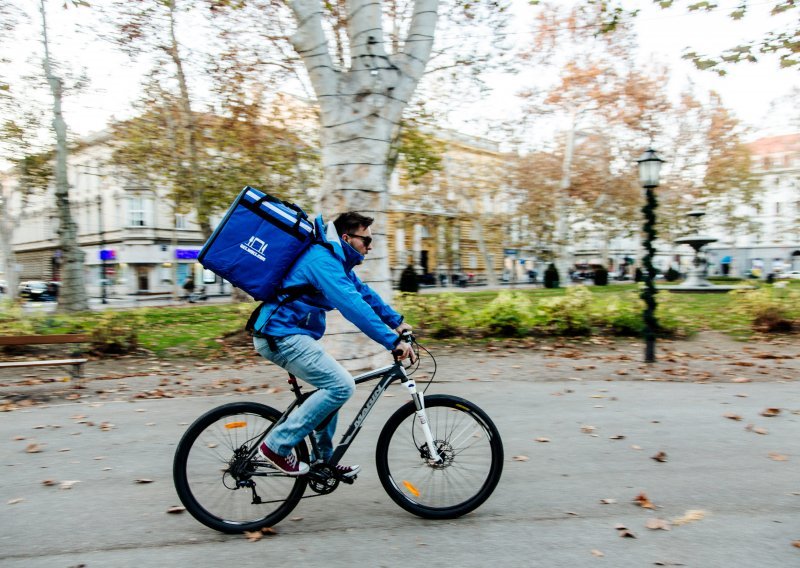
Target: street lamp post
[
  {"x": 102, "y": 234},
  {"x": 649, "y": 169}
]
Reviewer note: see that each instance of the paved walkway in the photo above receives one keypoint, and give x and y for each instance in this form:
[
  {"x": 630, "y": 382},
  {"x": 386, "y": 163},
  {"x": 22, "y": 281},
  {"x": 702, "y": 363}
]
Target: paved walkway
[{"x": 580, "y": 423}]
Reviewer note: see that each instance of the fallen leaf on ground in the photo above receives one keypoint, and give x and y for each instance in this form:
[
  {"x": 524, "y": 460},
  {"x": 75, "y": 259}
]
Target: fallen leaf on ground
[
  {"x": 521, "y": 458},
  {"x": 542, "y": 439},
  {"x": 49, "y": 482},
  {"x": 33, "y": 448},
  {"x": 642, "y": 500},
  {"x": 587, "y": 429},
  {"x": 741, "y": 380},
  {"x": 144, "y": 480},
  {"x": 617, "y": 437},
  {"x": 732, "y": 416},
  {"x": 657, "y": 524},
  {"x": 768, "y": 412},
  {"x": 796, "y": 543},
  {"x": 660, "y": 457},
  {"x": 253, "y": 536},
  {"x": 608, "y": 501},
  {"x": 68, "y": 484},
  {"x": 15, "y": 501},
  {"x": 756, "y": 429},
  {"x": 777, "y": 457},
  {"x": 176, "y": 510},
  {"x": 689, "y": 517},
  {"x": 269, "y": 531},
  {"x": 597, "y": 553}
]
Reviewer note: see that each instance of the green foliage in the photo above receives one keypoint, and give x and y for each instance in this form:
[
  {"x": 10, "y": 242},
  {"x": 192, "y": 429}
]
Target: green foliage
[
  {"x": 440, "y": 315},
  {"x": 769, "y": 309},
  {"x": 12, "y": 320},
  {"x": 508, "y": 315},
  {"x": 116, "y": 333},
  {"x": 565, "y": 315},
  {"x": 421, "y": 152}
]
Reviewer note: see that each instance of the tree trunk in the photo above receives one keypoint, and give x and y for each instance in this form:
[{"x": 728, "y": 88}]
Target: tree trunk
[
  {"x": 72, "y": 296},
  {"x": 6, "y": 233},
  {"x": 563, "y": 261},
  {"x": 491, "y": 277},
  {"x": 359, "y": 109},
  {"x": 190, "y": 124}
]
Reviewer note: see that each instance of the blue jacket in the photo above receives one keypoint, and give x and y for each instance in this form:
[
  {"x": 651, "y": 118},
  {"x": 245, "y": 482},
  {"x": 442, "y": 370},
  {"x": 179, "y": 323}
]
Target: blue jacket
[{"x": 328, "y": 265}]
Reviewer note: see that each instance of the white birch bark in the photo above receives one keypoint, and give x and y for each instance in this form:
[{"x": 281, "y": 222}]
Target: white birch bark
[
  {"x": 6, "y": 233},
  {"x": 359, "y": 108},
  {"x": 72, "y": 296}
]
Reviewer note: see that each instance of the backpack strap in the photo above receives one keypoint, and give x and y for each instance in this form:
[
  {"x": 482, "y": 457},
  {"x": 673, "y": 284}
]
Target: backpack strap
[{"x": 290, "y": 293}]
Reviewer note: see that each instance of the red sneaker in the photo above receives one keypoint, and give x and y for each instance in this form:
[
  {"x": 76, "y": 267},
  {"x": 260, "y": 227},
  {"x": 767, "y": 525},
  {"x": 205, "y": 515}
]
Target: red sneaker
[
  {"x": 347, "y": 471},
  {"x": 287, "y": 464}
]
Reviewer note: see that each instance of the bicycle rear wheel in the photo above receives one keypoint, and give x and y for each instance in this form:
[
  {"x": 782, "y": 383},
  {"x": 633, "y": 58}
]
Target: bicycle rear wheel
[
  {"x": 216, "y": 482},
  {"x": 466, "y": 439}
]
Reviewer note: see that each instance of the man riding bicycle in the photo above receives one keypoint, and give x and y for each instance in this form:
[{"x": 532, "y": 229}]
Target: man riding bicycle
[{"x": 286, "y": 331}]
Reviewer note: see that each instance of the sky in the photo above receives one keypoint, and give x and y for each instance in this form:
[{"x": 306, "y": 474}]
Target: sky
[{"x": 663, "y": 35}]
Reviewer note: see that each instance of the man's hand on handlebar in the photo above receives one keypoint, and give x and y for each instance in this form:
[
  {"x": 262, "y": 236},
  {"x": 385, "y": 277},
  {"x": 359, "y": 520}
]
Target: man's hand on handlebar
[
  {"x": 405, "y": 350},
  {"x": 402, "y": 327}
]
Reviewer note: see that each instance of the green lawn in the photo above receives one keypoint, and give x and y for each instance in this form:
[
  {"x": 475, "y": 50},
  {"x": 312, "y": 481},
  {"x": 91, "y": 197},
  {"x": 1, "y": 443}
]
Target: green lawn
[{"x": 197, "y": 330}]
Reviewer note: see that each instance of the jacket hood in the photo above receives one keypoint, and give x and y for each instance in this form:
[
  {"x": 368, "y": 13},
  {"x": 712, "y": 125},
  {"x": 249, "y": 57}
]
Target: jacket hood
[{"x": 328, "y": 236}]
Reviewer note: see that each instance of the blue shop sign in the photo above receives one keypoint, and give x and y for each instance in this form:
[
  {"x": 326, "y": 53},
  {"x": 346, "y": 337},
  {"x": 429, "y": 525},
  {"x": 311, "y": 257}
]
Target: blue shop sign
[
  {"x": 186, "y": 254},
  {"x": 108, "y": 254}
]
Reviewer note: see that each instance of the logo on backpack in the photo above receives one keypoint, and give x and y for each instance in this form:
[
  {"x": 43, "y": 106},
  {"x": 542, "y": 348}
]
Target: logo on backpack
[{"x": 255, "y": 246}]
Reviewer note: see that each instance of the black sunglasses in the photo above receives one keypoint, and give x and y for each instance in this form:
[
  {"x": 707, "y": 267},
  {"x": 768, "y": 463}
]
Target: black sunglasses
[{"x": 366, "y": 240}]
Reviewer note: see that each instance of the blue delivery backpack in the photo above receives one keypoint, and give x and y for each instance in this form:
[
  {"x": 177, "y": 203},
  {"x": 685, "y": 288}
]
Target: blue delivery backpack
[{"x": 257, "y": 242}]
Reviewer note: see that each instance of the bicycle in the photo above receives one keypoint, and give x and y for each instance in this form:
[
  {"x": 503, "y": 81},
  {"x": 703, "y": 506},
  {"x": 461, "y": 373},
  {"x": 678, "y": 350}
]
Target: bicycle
[{"x": 438, "y": 457}]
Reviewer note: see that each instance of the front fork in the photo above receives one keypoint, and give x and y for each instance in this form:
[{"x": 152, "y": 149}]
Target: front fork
[{"x": 419, "y": 402}]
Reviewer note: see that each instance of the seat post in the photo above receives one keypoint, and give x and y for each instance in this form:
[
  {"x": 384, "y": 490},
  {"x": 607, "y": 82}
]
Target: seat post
[{"x": 294, "y": 384}]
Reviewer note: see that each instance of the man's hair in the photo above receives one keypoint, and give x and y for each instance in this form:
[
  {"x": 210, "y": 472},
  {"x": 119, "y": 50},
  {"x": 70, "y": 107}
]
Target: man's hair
[{"x": 351, "y": 221}]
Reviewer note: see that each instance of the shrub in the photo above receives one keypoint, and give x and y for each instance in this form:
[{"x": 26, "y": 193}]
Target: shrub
[
  {"x": 116, "y": 333},
  {"x": 441, "y": 315},
  {"x": 623, "y": 315},
  {"x": 505, "y": 316},
  {"x": 770, "y": 309},
  {"x": 569, "y": 314},
  {"x": 551, "y": 279},
  {"x": 601, "y": 276}
]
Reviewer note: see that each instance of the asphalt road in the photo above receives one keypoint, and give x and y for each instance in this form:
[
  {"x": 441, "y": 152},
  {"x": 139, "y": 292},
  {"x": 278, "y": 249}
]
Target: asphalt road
[{"x": 731, "y": 495}]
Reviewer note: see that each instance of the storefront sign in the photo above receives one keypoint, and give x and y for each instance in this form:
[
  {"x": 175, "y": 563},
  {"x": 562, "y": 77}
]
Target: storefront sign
[
  {"x": 186, "y": 254},
  {"x": 108, "y": 254}
]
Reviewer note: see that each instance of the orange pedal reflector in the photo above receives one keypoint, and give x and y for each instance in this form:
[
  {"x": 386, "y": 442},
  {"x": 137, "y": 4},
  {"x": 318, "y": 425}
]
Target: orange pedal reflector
[
  {"x": 410, "y": 486},
  {"x": 232, "y": 425}
]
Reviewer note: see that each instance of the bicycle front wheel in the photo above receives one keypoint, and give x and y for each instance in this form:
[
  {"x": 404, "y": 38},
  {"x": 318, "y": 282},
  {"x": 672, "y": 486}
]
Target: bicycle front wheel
[
  {"x": 216, "y": 481},
  {"x": 467, "y": 441}
]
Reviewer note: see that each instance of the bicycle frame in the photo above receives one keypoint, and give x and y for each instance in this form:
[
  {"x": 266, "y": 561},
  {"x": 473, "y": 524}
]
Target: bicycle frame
[{"x": 386, "y": 375}]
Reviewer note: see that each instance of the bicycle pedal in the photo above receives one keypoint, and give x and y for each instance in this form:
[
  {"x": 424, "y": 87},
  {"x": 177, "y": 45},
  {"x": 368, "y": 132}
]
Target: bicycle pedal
[{"x": 348, "y": 480}]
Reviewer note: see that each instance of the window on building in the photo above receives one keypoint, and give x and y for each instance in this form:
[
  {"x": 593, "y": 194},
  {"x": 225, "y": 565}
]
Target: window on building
[
  {"x": 473, "y": 261},
  {"x": 778, "y": 208},
  {"x": 180, "y": 221},
  {"x": 136, "y": 212}
]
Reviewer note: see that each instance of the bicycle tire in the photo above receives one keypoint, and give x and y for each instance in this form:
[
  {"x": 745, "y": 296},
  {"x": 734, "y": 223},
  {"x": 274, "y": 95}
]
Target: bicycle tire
[
  {"x": 202, "y": 477},
  {"x": 470, "y": 444}
]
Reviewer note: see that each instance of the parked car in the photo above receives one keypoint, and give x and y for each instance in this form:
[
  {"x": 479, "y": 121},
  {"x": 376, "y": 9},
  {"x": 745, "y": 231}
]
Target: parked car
[
  {"x": 792, "y": 274},
  {"x": 38, "y": 290}
]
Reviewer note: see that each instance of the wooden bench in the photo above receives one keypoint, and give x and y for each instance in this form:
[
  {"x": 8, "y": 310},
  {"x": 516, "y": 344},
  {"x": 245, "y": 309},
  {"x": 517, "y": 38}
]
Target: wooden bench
[{"x": 76, "y": 365}]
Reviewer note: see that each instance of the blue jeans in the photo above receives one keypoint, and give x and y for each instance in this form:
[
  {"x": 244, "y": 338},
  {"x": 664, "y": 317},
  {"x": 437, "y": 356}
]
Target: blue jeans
[{"x": 305, "y": 358}]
